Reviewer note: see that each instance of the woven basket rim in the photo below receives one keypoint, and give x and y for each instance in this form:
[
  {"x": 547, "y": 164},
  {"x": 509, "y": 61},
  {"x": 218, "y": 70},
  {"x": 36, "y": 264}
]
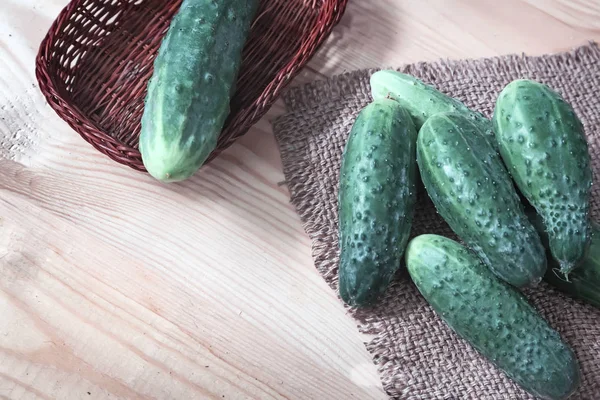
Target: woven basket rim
[{"x": 329, "y": 14}]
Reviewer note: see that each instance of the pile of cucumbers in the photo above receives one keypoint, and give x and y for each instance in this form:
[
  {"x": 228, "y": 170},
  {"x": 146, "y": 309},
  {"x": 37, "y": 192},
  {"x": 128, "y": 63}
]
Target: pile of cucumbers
[{"x": 515, "y": 190}]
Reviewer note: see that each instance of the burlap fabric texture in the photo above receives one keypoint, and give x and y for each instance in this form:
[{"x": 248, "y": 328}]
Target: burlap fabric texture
[{"x": 417, "y": 355}]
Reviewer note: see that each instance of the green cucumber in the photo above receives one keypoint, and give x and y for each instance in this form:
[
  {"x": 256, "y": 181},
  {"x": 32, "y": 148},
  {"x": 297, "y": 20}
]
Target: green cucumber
[
  {"x": 583, "y": 282},
  {"x": 543, "y": 144},
  {"x": 473, "y": 192},
  {"x": 194, "y": 77},
  {"x": 423, "y": 100},
  {"x": 377, "y": 197},
  {"x": 494, "y": 318}
]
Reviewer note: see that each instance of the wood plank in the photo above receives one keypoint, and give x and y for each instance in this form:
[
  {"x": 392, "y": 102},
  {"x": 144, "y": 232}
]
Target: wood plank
[
  {"x": 89, "y": 311},
  {"x": 383, "y": 33}
]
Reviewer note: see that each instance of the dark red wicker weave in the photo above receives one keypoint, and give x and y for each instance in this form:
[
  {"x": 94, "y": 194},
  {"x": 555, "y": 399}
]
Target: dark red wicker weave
[{"x": 94, "y": 64}]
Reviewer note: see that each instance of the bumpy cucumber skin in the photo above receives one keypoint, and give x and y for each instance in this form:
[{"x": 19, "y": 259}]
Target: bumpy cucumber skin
[
  {"x": 423, "y": 100},
  {"x": 195, "y": 73},
  {"x": 542, "y": 142},
  {"x": 377, "y": 197},
  {"x": 473, "y": 192},
  {"x": 584, "y": 281},
  {"x": 493, "y": 317}
]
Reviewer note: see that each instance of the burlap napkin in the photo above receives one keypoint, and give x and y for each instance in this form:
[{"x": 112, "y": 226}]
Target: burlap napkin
[{"x": 417, "y": 355}]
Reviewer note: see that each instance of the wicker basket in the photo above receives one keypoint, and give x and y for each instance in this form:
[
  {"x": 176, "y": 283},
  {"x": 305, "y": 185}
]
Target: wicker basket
[{"x": 94, "y": 64}]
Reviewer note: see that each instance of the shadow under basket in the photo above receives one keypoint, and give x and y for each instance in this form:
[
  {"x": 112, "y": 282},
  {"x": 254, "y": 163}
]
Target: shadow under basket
[{"x": 94, "y": 64}]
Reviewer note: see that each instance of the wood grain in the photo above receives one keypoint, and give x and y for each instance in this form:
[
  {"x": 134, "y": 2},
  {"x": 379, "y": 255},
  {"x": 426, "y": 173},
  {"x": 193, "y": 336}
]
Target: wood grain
[
  {"x": 107, "y": 314},
  {"x": 390, "y": 33},
  {"x": 115, "y": 286}
]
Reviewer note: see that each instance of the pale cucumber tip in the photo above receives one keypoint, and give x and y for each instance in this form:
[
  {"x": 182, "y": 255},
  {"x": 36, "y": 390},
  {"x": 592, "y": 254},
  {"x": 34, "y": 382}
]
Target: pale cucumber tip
[
  {"x": 167, "y": 177},
  {"x": 170, "y": 167},
  {"x": 168, "y": 172}
]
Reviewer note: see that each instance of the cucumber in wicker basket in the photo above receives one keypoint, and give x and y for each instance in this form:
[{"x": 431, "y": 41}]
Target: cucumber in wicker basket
[{"x": 188, "y": 97}]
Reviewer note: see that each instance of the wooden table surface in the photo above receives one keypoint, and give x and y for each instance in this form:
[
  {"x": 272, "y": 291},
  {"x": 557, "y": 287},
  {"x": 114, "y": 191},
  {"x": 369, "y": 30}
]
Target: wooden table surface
[{"x": 115, "y": 286}]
